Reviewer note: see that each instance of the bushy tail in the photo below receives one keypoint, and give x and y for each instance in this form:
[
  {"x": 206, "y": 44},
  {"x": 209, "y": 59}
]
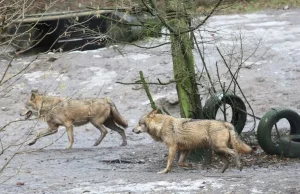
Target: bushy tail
[
  {"x": 236, "y": 142},
  {"x": 117, "y": 117}
]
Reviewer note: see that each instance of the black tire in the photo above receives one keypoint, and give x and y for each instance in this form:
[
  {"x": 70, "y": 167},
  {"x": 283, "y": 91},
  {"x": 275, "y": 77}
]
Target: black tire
[
  {"x": 290, "y": 146},
  {"x": 269, "y": 120},
  {"x": 239, "y": 115}
]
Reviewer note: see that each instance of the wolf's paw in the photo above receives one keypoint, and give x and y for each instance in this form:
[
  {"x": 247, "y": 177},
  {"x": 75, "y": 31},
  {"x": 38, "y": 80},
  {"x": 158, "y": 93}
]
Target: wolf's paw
[
  {"x": 241, "y": 167},
  {"x": 96, "y": 143},
  {"x": 223, "y": 169},
  {"x": 163, "y": 171},
  {"x": 185, "y": 165},
  {"x": 31, "y": 143},
  {"x": 124, "y": 143},
  {"x": 68, "y": 147}
]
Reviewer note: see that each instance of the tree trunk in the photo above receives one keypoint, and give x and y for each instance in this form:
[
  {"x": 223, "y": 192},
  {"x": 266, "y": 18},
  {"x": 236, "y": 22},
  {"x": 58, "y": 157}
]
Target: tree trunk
[
  {"x": 183, "y": 60},
  {"x": 184, "y": 68}
]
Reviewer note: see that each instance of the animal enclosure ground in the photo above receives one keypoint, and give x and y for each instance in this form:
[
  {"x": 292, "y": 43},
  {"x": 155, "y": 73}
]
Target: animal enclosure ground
[{"x": 269, "y": 79}]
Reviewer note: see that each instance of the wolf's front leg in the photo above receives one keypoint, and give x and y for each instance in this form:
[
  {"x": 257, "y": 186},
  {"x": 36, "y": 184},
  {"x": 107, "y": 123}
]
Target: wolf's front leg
[
  {"x": 69, "y": 129},
  {"x": 42, "y": 133},
  {"x": 172, "y": 153}
]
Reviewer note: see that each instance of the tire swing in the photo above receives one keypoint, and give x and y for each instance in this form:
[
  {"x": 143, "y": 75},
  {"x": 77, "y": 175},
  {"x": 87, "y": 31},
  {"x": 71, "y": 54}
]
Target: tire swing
[
  {"x": 290, "y": 146},
  {"x": 266, "y": 124},
  {"x": 239, "y": 115}
]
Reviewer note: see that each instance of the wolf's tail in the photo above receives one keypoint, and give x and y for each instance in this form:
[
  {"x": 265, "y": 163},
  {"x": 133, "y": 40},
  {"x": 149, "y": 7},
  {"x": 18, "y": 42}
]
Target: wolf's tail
[
  {"x": 236, "y": 142},
  {"x": 117, "y": 117}
]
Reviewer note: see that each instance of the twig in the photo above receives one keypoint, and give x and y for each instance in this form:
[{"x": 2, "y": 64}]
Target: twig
[
  {"x": 119, "y": 161},
  {"x": 165, "y": 110},
  {"x": 2, "y": 150},
  {"x": 163, "y": 21},
  {"x": 237, "y": 84},
  {"x": 149, "y": 47},
  {"x": 149, "y": 83},
  {"x": 145, "y": 86},
  {"x": 20, "y": 70},
  {"x": 252, "y": 115},
  {"x": 204, "y": 63},
  {"x": 223, "y": 90},
  {"x": 7, "y": 67},
  {"x": 205, "y": 19}
]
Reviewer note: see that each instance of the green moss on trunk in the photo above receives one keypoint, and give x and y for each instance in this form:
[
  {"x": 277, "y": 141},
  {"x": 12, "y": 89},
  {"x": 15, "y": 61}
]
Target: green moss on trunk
[{"x": 184, "y": 67}]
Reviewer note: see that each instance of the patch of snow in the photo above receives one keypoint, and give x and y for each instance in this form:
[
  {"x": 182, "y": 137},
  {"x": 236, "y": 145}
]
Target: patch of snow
[
  {"x": 101, "y": 77},
  {"x": 158, "y": 96},
  {"x": 40, "y": 76},
  {"x": 254, "y": 190},
  {"x": 136, "y": 56},
  {"x": 149, "y": 187},
  {"x": 268, "y": 24},
  {"x": 96, "y": 56}
]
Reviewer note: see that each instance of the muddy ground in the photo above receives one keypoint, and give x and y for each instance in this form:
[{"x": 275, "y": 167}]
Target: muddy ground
[{"x": 269, "y": 78}]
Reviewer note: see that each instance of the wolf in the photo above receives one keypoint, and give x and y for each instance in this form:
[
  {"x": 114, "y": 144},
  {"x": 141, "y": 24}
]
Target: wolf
[
  {"x": 59, "y": 111},
  {"x": 184, "y": 134}
]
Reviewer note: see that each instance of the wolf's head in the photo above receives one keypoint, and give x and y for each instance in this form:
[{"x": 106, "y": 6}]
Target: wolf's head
[
  {"x": 31, "y": 106},
  {"x": 142, "y": 125}
]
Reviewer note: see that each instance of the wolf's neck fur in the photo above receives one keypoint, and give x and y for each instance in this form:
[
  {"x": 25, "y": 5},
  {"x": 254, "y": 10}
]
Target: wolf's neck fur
[
  {"x": 155, "y": 127},
  {"x": 47, "y": 104}
]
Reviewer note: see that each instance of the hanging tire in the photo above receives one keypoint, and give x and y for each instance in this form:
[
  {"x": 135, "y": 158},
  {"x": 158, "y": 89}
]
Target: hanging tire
[
  {"x": 239, "y": 115},
  {"x": 268, "y": 121},
  {"x": 289, "y": 146}
]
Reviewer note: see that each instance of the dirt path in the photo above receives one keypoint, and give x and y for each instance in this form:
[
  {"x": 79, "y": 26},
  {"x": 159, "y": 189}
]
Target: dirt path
[{"x": 269, "y": 79}]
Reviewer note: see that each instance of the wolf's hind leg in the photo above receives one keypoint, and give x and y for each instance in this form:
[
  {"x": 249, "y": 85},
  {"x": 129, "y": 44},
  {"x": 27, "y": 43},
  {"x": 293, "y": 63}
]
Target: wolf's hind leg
[
  {"x": 98, "y": 124},
  {"x": 225, "y": 160},
  {"x": 52, "y": 129},
  {"x": 111, "y": 124},
  {"x": 231, "y": 152},
  {"x": 182, "y": 156}
]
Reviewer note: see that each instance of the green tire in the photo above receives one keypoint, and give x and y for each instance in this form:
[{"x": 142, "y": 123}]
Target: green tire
[
  {"x": 290, "y": 146},
  {"x": 239, "y": 117},
  {"x": 266, "y": 124}
]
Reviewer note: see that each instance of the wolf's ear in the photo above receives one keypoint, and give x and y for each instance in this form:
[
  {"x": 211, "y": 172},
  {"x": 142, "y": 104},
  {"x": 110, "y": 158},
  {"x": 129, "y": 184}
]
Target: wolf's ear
[
  {"x": 34, "y": 91},
  {"x": 33, "y": 95},
  {"x": 152, "y": 113}
]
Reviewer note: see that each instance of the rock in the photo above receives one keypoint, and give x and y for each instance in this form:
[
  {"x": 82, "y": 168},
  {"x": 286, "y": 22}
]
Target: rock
[
  {"x": 4, "y": 109},
  {"x": 141, "y": 161},
  {"x": 132, "y": 107},
  {"x": 286, "y": 7},
  {"x": 20, "y": 183},
  {"x": 172, "y": 99},
  {"x": 52, "y": 59},
  {"x": 260, "y": 79}
]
